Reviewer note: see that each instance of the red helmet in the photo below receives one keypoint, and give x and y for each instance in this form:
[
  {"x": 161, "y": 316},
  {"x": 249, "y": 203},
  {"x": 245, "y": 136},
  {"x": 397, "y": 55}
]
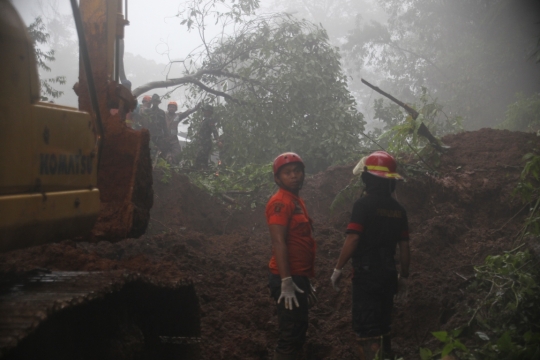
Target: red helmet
[
  {"x": 381, "y": 164},
  {"x": 284, "y": 159},
  {"x": 146, "y": 98},
  {"x": 173, "y": 103}
]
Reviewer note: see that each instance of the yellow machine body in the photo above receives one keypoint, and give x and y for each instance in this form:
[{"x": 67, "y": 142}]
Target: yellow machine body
[{"x": 48, "y": 153}]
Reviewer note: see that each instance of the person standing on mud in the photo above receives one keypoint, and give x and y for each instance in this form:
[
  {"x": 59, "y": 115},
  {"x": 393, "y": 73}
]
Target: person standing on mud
[
  {"x": 292, "y": 262},
  {"x": 204, "y": 136},
  {"x": 141, "y": 113},
  {"x": 172, "y": 119},
  {"x": 157, "y": 126},
  {"x": 378, "y": 224}
]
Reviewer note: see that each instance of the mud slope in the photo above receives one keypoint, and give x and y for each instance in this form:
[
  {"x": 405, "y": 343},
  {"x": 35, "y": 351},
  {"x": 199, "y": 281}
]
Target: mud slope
[{"x": 456, "y": 219}]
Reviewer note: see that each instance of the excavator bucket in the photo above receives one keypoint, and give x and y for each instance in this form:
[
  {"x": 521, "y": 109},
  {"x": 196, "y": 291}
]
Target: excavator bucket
[{"x": 125, "y": 170}]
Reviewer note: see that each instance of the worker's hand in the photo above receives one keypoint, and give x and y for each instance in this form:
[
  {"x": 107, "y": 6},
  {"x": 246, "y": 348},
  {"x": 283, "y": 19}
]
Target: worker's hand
[
  {"x": 288, "y": 289},
  {"x": 335, "y": 278},
  {"x": 312, "y": 297},
  {"x": 403, "y": 288}
]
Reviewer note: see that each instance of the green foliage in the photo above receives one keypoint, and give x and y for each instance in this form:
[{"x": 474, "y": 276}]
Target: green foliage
[
  {"x": 402, "y": 130},
  {"x": 508, "y": 313},
  {"x": 451, "y": 345},
  {"x": 221, "y": 12},
  {"x": 165, "y": 168},
  {"x": 510, "y": 280},
  {"x": 505, "y": 321},
  {"x": 281, "y": 81},
  {"x": 288, "y": 94},
  {"x": 39, "y": 36},
  {"x": 523, "y": 114},
  {"x": 505, "y": 315},
  {"x": 528, "y": 189},
  {"x": 399, "y": 134},
  {"x": 248, "y": 186}
]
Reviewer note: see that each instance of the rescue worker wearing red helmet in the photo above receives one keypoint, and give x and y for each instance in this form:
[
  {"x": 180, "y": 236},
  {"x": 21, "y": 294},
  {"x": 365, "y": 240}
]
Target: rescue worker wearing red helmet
[
  {"x": 171, "y": 117},
  {"x": 293, "y": 256},
  {"x": 378, "y": 225}
]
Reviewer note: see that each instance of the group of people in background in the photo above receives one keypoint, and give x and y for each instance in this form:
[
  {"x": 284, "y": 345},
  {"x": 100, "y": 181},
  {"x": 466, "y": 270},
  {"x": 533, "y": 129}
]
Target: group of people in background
[{"x": 163, "y": 128}]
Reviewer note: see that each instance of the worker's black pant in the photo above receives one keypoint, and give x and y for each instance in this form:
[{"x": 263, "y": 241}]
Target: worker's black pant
[
  {"x": 373, "y": 299},
  {"x": 203, "y": 153},
  {"x": 293, "y": 324}
]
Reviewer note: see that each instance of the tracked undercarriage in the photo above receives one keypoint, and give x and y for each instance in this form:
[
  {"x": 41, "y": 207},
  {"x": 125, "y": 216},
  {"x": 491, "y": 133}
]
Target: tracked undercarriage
[{"x": 97, "y": 315}]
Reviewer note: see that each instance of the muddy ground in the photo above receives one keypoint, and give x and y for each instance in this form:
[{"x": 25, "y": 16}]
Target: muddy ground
[{"x": 457, "y": 217}]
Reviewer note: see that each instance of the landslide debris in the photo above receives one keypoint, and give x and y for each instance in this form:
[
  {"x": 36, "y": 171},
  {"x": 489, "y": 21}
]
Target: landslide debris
[{"x": 456, "y": 218}]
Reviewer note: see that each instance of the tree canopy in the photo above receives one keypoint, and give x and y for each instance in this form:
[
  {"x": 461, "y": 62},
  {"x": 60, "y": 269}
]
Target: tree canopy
[
  {"x": 300, "y": 101},
  {"x": 283, "y": 87},
  {"x": 473, "y": 55}
]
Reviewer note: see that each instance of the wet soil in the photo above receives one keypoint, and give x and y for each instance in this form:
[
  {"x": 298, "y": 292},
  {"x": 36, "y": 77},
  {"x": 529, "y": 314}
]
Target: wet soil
[
  {"x": 457, "y": 217},
  {"x": 124, "y": 182}
]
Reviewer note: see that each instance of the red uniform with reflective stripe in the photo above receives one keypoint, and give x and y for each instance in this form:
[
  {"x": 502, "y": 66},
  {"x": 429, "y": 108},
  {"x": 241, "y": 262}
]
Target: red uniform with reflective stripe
[{"x": 289, "y": 210}]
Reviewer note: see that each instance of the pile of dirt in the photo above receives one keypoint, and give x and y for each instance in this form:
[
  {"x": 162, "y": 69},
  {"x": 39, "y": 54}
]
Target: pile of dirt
[
  {"x": 179, "y": 205},
  {"x": 456, "y": 218}
]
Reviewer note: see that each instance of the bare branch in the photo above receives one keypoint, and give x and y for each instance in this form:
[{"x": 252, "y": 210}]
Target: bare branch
[
  {"x": 179, "y": 81},
  {"x": 215, "y": 92},
  {"x": 159, "y": 84},
  {"x": 188, "y": 112}
]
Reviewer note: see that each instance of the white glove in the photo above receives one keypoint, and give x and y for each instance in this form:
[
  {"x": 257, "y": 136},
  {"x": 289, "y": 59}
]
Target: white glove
[
  {"x": 288, "y": 288},
  {"x": 312, "y": 298},
  {"x": 336, "y": 276}
]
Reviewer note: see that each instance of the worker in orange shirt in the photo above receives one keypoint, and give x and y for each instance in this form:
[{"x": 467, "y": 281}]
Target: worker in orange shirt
[{"x": 292, "y": 263}]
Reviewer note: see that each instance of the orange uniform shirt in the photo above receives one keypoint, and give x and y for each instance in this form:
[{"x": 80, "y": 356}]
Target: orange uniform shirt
[{"x": 289, "y": 210}]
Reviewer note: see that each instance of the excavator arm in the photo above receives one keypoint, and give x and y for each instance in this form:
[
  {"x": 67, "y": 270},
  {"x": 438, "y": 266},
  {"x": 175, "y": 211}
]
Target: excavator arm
[{"x": 63, "y": 174}]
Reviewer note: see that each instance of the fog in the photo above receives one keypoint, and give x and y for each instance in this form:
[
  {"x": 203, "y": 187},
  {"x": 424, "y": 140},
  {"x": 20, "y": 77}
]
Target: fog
[{"x": 473, "y": 57}]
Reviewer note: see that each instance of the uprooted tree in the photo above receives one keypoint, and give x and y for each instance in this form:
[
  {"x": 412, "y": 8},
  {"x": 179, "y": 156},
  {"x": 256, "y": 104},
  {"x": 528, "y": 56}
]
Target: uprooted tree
[{"x": 282, "y": 85}]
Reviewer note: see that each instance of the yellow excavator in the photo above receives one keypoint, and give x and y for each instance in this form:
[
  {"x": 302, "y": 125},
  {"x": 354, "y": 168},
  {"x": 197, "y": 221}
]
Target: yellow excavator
[
  {"x": 61, "y": 168},
  {"x": 80, "y": 174}
]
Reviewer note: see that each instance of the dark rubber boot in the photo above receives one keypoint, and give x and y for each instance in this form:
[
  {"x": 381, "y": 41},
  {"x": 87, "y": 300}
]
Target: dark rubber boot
[
  {"x": 387, "y": 347},
  {"x": 369, "y": 348},
  {"x": 279, "y": 356}
]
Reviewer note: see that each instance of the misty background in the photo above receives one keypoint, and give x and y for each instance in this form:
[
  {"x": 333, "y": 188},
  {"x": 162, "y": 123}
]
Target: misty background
[{"x": 474, "y": 58}]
